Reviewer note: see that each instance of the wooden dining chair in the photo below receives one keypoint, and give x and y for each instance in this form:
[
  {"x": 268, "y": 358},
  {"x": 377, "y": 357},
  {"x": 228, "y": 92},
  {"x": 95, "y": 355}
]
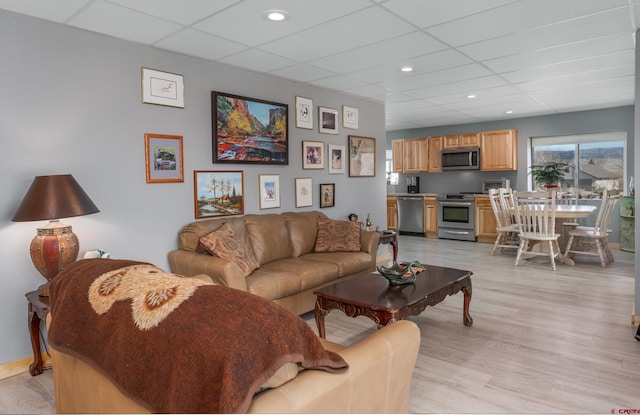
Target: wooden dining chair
[
  {"x": 536, "y": 219},
  {"x": 583, "y": 239},
  {"x": 569, "y": 196},
  {"x": 507, "y": 231}
]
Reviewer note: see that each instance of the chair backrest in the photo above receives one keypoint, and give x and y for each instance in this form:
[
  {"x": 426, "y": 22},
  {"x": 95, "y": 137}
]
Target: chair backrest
[
  {"x": 508, "y": 205},
  {"x": 536, "y": 213},
  {"x": 605, "y": 213},
  {"x": 494, "y": 198},
  {"x": 568, "y": 196}
]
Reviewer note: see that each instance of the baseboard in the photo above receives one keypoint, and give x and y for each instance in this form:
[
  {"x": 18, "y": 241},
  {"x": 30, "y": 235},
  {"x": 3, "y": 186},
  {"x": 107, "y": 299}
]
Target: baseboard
[{"x": 17, "y": 367}]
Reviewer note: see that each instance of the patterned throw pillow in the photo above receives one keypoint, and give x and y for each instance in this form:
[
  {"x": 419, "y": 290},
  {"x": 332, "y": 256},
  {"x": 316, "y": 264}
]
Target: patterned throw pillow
[
  {"x": 223, "y": 243},
  {"x": 337, "y": 236}
]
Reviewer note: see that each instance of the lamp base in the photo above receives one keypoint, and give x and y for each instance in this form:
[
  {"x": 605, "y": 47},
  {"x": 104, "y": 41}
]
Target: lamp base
[{"x": 53, "y": 248}]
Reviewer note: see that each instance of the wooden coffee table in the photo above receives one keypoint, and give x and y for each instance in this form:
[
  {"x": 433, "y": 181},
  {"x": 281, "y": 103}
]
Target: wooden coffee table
[{"x": 373, "y": 297}]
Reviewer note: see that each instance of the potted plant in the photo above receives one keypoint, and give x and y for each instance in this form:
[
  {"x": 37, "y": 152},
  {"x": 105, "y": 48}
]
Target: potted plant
[{"x": 549, "y": 174}]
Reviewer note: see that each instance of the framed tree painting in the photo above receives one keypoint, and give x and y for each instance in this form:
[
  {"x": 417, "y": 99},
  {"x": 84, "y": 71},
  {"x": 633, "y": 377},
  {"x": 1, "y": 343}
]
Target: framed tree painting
[
  {"x": 218, "y": 193},
  {"x": 163, "y": 157},
  {"x": 248, "y": 130},
  {"x": 362, "y": 156}
]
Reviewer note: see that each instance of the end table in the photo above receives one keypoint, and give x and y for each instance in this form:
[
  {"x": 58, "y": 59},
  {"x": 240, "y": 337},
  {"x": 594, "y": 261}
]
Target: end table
[
  {"x": 38, "y": 310},
  {"x": 390, "y": 237}
]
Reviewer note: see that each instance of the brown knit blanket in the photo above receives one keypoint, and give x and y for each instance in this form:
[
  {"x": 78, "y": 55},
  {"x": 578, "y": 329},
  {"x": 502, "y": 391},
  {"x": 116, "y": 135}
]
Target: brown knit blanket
[{"x": 177, "y": 344}]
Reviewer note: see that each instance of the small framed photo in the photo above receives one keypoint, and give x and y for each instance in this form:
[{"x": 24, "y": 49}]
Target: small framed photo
[
  {"x": 304, "y": 192},
  {"x": 269, "y": 185},
  {"x": 163, "y": 157},
  {"x": 349, "y": 117},
  {"x": 218, "y": 193},
  {"x": 162, "y": 88},
  {"x": 312, "y": 155},
  {"x": 327, "y": 195},
  {"x": 362, "y": 156},
  {"x": 304, "y": 113},
  {"x": 328, "y": 120},
  {"x": 336, "y": 159}
]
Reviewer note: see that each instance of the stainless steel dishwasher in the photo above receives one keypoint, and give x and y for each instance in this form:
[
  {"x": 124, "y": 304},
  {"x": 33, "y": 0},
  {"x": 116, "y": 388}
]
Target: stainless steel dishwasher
[{"x": 411, "y": 214}]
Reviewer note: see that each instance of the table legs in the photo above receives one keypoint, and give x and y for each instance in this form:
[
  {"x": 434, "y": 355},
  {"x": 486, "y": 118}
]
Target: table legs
[
  {"x": 466, "y": 317},
  {"x": 37, "y": 367}
]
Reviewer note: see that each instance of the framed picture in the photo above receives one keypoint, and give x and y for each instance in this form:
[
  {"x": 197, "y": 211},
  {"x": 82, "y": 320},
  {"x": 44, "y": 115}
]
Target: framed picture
[
  {"x": 312, "y": 155},
  {"x": 327, "y": 195},
  {"x": 304, "y": 192},
  {"x": 336, "y": 159},
  {"x": 162, "y": 88},
  {"x": 328, "y": 120},
  {"x": 349, "y": 117},
  {"x": 304, "y": 113},
  {"x": 247, "y": 130},
  {"x": 269, "y": 186},
  {"x": 163, "y": 157},
  {"x": 218, "y": 193},
  {"x": 362, "y": 156}
]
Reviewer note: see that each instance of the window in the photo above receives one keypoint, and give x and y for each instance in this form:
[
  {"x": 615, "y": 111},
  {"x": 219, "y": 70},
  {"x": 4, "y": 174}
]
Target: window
[
  {"x": 392, "y": 178},
  {"x": 598, "y": 160}
]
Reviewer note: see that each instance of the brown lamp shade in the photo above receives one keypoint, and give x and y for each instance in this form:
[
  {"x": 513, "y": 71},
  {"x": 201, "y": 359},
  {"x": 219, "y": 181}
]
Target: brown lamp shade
[{"x": 54, "y": 197}]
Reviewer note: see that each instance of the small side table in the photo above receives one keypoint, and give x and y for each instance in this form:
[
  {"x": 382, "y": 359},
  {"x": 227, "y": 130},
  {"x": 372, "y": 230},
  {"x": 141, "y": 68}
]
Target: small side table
[
  {"x": 390, "y": 237},
  {"x": 38, "y": 310}
]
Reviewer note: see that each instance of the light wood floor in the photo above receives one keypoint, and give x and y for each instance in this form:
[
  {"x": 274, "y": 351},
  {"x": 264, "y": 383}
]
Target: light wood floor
[{"x": 541, "y": 342}]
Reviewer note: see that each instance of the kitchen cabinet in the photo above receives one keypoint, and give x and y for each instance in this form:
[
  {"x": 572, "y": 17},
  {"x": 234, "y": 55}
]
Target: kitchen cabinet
[
  {"x": 430, "y": 217},
  {"x": 461, "y": 140},
  {"x": 416, "y": 155},
  {"x": 392, "y": 213},
  {"x": 498, "y": 150},
  {"x": 435, "y": 160},
  {"x": 485, "y": 220},
  {"x": 397, "y": 156}
]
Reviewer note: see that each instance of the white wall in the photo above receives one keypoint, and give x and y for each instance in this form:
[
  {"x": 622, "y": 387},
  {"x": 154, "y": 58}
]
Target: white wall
[{"x": 71, "y": 103}]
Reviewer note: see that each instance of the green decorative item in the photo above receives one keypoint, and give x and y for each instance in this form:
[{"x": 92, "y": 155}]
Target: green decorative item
[
  {"x": 397, "y": 274},
  {"x": 549, "y": 174}
]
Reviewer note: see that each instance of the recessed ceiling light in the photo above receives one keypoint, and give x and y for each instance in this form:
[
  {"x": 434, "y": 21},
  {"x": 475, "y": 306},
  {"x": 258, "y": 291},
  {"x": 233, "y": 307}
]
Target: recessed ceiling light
[
  {"x": 508, "y": 112},
  {"x": 471, "y": 96},
  {"x": 407, "y": 69},
  {"x": 276, "y": 15}
]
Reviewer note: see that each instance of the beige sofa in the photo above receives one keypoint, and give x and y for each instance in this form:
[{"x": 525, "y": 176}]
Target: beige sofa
[
  {"x": 284, "y": 246},
  {"x": 377, "y": 381}
]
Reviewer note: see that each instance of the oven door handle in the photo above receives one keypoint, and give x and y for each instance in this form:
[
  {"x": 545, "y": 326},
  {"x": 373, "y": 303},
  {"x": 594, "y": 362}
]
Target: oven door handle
[{"x": 456, "y": 203}]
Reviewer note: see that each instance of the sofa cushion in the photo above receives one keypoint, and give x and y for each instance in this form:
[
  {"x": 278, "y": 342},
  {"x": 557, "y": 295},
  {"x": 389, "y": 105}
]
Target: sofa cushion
[
  {"x": 224, "y": 244},
  {"x": 290, "y": 276},
  {"x": 303, "y": 229},
  {"x": 269, "y": 237},
  {"x": 337, "y": 236},
  {"x": 189, "y": 236},
  {"x": 347, "y": 262}
]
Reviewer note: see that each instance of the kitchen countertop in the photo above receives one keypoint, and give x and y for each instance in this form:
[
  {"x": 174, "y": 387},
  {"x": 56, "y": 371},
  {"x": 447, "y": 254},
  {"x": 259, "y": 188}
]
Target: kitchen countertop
[{"x": 426, "y": 194}]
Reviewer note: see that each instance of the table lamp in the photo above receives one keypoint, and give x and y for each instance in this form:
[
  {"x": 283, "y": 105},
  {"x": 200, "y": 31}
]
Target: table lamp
[{"x": 55, "y": 245}]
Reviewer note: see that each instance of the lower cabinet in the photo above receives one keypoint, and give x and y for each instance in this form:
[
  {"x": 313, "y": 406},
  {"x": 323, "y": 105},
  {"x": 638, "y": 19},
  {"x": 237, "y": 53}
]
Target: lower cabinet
[
  {"x": 392, "y": 213},
  {"x": 430, "y": 217},
  {"x": 485, "y": 220}
]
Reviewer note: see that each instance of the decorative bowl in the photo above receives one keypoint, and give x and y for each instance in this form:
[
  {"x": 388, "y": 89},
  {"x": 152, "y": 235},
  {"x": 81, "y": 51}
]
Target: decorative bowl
[{"x": 399, "y": 274}]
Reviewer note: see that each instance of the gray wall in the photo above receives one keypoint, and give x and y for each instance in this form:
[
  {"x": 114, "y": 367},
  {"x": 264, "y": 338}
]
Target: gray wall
[{"x": 71, "y": 103}]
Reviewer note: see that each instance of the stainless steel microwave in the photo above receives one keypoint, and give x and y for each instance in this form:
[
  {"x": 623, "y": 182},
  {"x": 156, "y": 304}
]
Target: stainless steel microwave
[{"x": 461, "y": 159}]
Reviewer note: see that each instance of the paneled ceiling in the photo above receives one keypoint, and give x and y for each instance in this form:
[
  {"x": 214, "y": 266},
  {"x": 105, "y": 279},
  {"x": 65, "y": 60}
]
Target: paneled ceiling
[{"x": 531, "y": 57}]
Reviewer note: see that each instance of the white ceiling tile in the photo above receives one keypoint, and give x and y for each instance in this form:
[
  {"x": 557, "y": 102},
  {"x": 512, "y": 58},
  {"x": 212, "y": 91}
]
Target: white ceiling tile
[
  {"x": 177, "y": 11},
  {"x": 517, "y": 17},
  {"x": 462, "y": 87},
  {"x": 584, "y": 78},
  {"x": 593, "y": 26},
  {"x": 196, "y": 43},
  {"x": 244, "y": 22},
  {"x": 303, "y": 73},
  {"x": 371, "y": 91},
  {"x": 57, "y": 11},
  {"x": 484, "y": 93},
  {"x": 258, "y": 60},
  {"x": 439, "y": 77},
  {"x": 428, "y": 13},
  {"x": 373, "y": 25},
  {"x": 570, "y": 51},
  {"x": 398, "y": 49},
  {"x": 131, "y": 25},
  {"x": 339, "y": 82}
]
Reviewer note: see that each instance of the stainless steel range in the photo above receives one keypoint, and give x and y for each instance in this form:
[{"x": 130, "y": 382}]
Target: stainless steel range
[{"x": 457, "y": 216}]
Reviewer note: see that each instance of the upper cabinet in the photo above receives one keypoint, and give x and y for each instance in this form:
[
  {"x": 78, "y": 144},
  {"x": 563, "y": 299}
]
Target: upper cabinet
[
  {"x": 397, "y": 154},
  {"x": 461, "y": 140},
  {"x": 435, "y": 160},
  {"x": 416, "y": 155},
  {"x": 498, "y": 150}
]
